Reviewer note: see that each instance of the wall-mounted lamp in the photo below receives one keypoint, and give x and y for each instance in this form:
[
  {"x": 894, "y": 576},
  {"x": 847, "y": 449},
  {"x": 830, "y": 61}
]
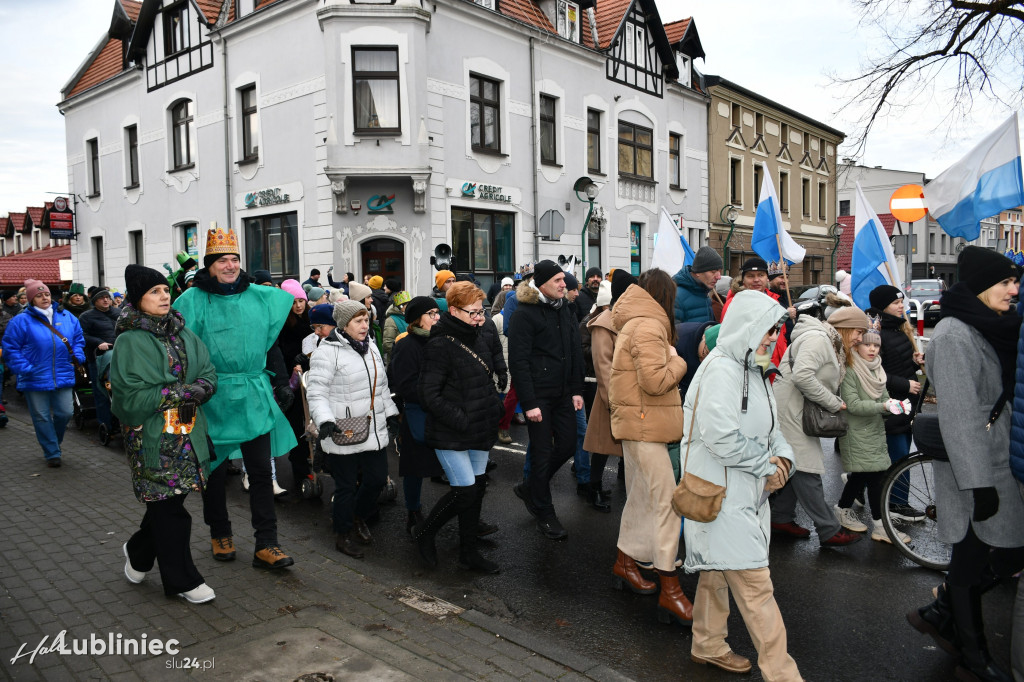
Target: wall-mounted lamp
[{"x": 355, "y": 205}]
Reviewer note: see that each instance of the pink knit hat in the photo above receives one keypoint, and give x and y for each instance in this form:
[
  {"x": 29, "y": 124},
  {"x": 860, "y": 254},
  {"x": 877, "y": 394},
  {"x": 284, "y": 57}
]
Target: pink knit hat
[
  {"x": 33, "y": 287},
  {"x": 293, "y": 287}
]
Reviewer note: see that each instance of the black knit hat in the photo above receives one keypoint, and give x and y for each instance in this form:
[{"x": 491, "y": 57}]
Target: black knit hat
[
  {"x": 980, "y": 268},
  {"x": 593, "y": 272},
  {"x": 754, "y": 264},
  {"x": 545, "y": 270},
  {"x": 419, "y": 305},
  {"x": 138, "y": 279},
  {"x": 262, "y": 277},
  {"x": 882, "y": 295},
  {"x": 393, "y": 284},
  {"x": 620, "y": 282},
  {"x": 98, "y": 293},
  {"x": 571, "y": 283}
]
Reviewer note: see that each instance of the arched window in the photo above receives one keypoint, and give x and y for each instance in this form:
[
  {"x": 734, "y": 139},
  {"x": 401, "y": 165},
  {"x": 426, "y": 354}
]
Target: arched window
[{"x": 183, "y": 133}]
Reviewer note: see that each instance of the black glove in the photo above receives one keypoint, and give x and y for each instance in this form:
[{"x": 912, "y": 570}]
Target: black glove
[
  {"x": 284, "y": 396},
  {"x": 502, "y": 382},
  {"x": 197, "y": 393},
  {"x": 393, "y": 426},
  {"x": 326, "y": 429},
  {"x": 986, "y": 503},
  {"x": 187, "y": 412}
]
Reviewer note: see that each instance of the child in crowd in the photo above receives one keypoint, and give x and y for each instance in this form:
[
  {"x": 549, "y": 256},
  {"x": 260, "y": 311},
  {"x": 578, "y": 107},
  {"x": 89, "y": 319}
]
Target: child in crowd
[{"x": 863, "y": 447}]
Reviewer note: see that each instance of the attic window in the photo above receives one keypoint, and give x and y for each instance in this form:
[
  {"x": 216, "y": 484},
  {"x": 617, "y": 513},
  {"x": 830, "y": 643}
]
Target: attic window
[
  {"x": 489, "y": 4},
  {"x": 568, "y": 20},
  {"x": 175, "y": 29}
]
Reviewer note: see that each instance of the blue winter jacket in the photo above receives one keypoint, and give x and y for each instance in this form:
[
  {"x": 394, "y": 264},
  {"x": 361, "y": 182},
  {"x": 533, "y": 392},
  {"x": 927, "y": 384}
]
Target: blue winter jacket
[
  {"x": 692, "y": 302},
  {"x": 1016, "y": 413},
  {"x": 511, "y": 303},
  {"x": 36, "y": 356}
]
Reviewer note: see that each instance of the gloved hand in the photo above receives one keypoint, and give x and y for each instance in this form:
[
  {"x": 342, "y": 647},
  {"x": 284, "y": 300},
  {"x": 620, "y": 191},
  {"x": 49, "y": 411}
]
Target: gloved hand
[
  {"x": 326, "y": 429},
  {"x": 986, "y": 503},
  {"x": 187, "y": 412},
  {"x": 197, "y": 393},
  {"x": 907, "y": 407},
  {"x": 393, "y": 426},
  {"x": 894, "y": 406},
  {"x": 284, "y": 396},
  {"x": 502, "y": 382}
]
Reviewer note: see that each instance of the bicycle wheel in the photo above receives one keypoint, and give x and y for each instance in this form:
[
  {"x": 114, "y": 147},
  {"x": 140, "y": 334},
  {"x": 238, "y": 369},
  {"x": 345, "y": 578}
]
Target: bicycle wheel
[{"x": 913, "y": 480}]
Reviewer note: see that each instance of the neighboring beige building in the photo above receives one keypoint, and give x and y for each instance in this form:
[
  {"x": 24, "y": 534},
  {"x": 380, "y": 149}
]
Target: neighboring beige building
[{"x": 749, "y": 135}]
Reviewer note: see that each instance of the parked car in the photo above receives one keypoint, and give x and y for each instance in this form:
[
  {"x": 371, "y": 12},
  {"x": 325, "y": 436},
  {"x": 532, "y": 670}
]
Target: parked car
[{"x": 927, "y": 292}]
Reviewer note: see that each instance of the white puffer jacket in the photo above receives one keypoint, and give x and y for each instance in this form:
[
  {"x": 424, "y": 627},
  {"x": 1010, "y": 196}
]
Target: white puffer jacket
[{"x": 339, "y": 380}]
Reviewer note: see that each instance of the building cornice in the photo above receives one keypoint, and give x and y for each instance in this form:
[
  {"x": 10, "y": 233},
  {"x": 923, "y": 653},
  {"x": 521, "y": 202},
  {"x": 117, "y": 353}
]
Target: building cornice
[
  {"x": 121, "y": 80},
  {"x": 715, "y": 83}
]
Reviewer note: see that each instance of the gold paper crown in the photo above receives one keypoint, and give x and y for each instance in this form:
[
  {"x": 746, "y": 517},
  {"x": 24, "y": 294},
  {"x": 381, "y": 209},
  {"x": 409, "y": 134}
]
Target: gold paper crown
[
  {"x": 220, "y": 242},
  {"x": 776, "y": 268}
]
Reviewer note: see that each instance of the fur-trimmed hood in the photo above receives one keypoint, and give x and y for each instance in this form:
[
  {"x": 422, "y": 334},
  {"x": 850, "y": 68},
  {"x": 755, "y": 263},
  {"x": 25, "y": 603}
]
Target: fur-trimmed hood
[{"x": 527, "y": 295}]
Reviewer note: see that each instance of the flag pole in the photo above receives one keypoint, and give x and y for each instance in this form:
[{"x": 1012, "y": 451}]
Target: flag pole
[
  {"x": 892, "y": 279},
  {"x": 785, "y": 269}
]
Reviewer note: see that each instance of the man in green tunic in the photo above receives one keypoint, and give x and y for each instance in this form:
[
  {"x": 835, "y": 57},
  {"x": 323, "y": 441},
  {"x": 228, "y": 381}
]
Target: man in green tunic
[{"x": 240, "y": 324}]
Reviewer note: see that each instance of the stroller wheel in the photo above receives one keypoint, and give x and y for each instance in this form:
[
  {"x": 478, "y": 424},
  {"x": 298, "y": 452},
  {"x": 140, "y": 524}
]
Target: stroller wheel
[
  {"x": 311, "y": 488},
  {"x": 104, "y": 434}
]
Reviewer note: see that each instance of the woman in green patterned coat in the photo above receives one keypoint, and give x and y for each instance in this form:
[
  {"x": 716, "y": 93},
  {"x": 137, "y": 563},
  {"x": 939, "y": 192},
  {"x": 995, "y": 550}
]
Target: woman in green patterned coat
[{"x": 160, "y": 375}]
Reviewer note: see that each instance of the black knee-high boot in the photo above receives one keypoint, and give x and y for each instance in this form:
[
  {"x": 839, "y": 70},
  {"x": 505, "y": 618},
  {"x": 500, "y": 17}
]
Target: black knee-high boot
[
  {"x": 483, "y": 528},
  {"x": 975, "y": 661},
  {"x": 449, "y": 506},
  {"x": 469, "y": 525}
]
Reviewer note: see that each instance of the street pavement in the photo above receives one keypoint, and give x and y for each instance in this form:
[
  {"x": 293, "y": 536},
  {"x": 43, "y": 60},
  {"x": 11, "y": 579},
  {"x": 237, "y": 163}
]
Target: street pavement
[{"x": 550, "y": 614}]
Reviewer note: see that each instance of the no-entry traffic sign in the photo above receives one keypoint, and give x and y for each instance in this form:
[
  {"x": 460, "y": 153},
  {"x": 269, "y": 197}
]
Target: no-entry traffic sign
[{"x": 907, "y": 203}]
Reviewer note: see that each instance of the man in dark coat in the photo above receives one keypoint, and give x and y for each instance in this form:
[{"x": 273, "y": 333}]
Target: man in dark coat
[
  {"x": 10, "y": 302},
  {"x": 98, "y": 328},
  {"x": 588, "y": 292},
  {"x": 694, "y": 283},
  {"x": 314, "y": 278},
  {"x": 546, "y": 361}
]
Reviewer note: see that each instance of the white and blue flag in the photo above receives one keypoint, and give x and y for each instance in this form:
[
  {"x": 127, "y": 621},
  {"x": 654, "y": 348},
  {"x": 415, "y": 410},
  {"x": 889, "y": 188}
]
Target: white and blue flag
[
  {"x": 980, "y": 185},
  {"x": 769, "y": 233},
  {"x": 874, "y": 263},
  {"x": 671, "y": 250}
]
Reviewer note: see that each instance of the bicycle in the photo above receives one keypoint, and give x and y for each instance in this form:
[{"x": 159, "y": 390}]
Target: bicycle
[{"x": 912, "y": 478}]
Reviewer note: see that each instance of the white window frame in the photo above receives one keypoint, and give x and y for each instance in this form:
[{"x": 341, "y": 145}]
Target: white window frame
[{"x": 564, "y": 28}]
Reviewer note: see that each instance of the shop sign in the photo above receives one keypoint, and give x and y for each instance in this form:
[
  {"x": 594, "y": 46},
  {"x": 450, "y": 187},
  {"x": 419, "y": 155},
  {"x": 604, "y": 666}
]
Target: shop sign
[
  {"x": 468, "y": 189},
  {"x": 62, "y": 220},
  {"x": 380, "y": 203},
  {"x": 271, "y": 196}
]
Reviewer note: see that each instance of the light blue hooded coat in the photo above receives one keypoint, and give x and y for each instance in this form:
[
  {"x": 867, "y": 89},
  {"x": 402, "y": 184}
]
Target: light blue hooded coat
[{"x": 737, "y": 429}]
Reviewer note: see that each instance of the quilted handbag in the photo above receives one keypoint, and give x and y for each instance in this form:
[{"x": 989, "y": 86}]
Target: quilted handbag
[{"x": 355, "y": 430}]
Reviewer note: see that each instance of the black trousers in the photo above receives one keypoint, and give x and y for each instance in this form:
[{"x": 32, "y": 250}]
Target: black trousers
[
  {"x": 552, "y": 443},
  {"x": 164, "y": 537},
  {"x": 973, "y": 562},
  {"x": 256, "y": 456},
  {"x": 348, "y": 503},
  {"x": 855, "y": 484}
]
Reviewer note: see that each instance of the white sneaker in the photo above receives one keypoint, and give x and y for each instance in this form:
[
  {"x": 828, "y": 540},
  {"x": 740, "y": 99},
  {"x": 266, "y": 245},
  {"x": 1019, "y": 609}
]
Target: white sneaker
[
  {"x": 878, "y": 533},
  {"x": 133, "y": 576},
  {"x": 848, "y": 519},
  {"x": 198, "y": 595},
  {"x": 245, "y": 481},
  {"x": 278, "y": 490}
]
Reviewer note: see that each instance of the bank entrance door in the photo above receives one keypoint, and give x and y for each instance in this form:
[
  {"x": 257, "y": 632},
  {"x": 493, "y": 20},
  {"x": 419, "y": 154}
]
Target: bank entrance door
[{"x": 384, "y": 257}]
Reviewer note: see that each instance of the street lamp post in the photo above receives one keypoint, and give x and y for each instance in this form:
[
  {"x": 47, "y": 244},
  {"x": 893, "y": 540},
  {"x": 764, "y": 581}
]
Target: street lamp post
[
  {"x": 728, "y": 214},
  {"x": 590, "y": 189},
  {"x": 836, "y": 232}
]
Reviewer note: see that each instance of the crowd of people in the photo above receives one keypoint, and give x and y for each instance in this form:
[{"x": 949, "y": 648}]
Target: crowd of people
[{"x": 671, "y": 374}]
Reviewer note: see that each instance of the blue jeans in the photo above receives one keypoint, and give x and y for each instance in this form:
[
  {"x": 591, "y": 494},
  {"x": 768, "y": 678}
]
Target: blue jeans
[
  {"x": 463, "y": 466},
  {"x": 899, "y": 448},
  {"x": 101, "y": 399},
  {"x": 581, "y": 459},
  {"x": 51, "y": 411}
]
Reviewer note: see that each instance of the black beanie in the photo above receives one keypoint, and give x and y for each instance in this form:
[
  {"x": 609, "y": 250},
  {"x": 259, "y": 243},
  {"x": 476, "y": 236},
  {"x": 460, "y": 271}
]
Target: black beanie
[
  {"x": 594, "y": 272},
  {"x": 620, "y": 282},
  {"x": 262, "y": 277},
  {"x": 980, "y": 268},
  {"x": 754, "y": 264},
  {"x": 211, "y": 258},
  {"x": 545, "y": 270},
  {"x": 393, "y": 284},
  {"x": 138, "y": 279},
  {"x": 571, "y": 283},
  {"x": 881, "y": 296},
  {"x": 98, "y": 293},
  {"x": 415, "y": 308}
]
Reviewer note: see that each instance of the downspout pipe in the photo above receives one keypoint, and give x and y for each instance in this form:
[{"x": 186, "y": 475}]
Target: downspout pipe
[
  {"x": 227, "y": 132},
  {"x": 533, "y": 147}
]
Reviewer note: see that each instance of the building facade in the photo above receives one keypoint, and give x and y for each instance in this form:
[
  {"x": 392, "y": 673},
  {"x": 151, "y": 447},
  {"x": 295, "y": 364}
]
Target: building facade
[
  {"x": 364, "y": 134},
  {"x": 750, "y": 135}
]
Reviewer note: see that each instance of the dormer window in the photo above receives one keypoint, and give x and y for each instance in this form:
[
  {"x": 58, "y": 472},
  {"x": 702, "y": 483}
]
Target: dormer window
[
  {"x": 568, "y": 20},
  {"x": 489, "y": 4},
  {"x": 175, "y": 29}
]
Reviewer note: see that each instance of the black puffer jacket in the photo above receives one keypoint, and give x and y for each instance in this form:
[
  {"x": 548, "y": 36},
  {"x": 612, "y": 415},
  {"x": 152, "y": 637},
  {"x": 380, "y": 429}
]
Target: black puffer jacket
[
  {"x": 456, "y": 390},
  {"x": 98, "y": 327},
  {"x": 545, "y": 354},
  {"x": 900, "y": 369},
  {"x": 489, "y": 333},
  {"x": 404, "y": 370}
]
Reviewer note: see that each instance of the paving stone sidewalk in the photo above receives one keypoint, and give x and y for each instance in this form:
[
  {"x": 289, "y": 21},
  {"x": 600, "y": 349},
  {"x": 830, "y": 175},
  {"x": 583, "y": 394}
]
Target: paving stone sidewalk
[{"x": 61, "y": 569}]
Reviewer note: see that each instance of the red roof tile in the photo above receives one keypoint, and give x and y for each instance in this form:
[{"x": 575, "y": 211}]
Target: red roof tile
[
  {"x": 846, "y": 240},
  {"x": 42, "y": 264},
  {"x": 35, "y": 214},
  {"x": 527, "y": 12},
  {"x": 18, "y": 221},
  {"x": 609, "y": 14},
  {"x": 210, "y": 9},
  {"x": 676, "y": 30},
  {"x": 132, "y": 9},
  {"x": 107, "y": 64}
]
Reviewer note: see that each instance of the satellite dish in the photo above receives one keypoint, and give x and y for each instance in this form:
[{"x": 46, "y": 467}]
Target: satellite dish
[{"x": 442, "y": 258}]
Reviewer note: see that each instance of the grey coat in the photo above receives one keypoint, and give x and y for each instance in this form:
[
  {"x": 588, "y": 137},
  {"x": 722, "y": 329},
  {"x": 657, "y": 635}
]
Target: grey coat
[
  {"x": 816, "y": 374},
  {"x": 965, "y": 371}
]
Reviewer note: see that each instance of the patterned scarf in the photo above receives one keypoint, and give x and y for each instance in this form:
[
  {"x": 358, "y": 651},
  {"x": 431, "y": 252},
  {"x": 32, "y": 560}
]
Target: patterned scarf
[
  {"x": 360, "y": 347},
  {"x": 166, "y": 328}
]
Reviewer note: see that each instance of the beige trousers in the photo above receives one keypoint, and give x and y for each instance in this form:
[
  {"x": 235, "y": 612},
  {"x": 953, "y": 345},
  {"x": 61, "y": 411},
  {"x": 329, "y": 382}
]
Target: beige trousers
[
  {"x": 752, "y": 589},
  {"x": 649, "y": 529}
]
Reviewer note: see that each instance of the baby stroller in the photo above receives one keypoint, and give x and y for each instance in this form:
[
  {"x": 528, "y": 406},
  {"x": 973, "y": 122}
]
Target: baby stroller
[
  {"x": 83, "y": 402},
  {"x": 106, "y": 433}
]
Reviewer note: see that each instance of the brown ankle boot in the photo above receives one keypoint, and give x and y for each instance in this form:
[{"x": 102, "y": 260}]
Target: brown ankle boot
[
  {"x": 223, "y": 549},
  {"x": 628, "y": 575},
  {"x": 672, "y": 603}
]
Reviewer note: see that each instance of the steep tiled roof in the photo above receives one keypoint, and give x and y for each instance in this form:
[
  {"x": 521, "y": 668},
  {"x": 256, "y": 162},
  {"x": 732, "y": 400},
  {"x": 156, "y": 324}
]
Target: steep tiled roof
[
  {"x": 849, "y": 223},
  {"x": 676, "y": 30},
  {"x": 16, "y": 221},
  {"x": 35, "y": 214},
  {"x": 109, "y": 61},
  {"x": 609, "y": 14},
  {"x": 527, "y": 12},
  {"x": 132, "y": 8},
  {"x": 42, "y": 265},
  {"x": 210, "y": 9}
]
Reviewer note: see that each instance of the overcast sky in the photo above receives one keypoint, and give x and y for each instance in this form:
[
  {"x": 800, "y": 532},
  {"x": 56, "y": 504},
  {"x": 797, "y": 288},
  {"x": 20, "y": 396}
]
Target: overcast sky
[{"x": 778, "y": 49}]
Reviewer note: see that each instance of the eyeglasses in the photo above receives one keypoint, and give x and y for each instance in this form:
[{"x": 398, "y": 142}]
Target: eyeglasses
[
  {"x": 473, "y": 313},
  {"x": 318, "y": 327},
  {"x": 435, "y": 313}
]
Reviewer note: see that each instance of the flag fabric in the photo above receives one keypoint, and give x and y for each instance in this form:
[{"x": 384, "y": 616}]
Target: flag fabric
[
  {"x": 980, "y": 185},
  {"x": 768, "y": 230},
  {"x": 671, "y": 252},
  {"x": 873, "y": 261}
]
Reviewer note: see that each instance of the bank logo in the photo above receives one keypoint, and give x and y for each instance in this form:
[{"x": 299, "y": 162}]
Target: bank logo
[
  {"x": 380, "y": 203},
  {"x": 469, "y": 189}
]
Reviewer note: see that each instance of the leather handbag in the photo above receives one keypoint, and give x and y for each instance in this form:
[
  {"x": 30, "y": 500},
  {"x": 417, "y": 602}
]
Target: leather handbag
[
  {"x": 815, "y": 420},
  {"x": 695, "y": 498},
  {"x": 355, "y": 430},
  {"x": 81, "y": 373}
]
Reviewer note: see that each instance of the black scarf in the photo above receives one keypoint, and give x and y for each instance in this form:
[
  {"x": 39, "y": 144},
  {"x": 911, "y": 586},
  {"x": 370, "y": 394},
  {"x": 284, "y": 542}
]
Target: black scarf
[
  {"x": 360, "y": 347},
  {"x": 1001, "y": 332}
]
